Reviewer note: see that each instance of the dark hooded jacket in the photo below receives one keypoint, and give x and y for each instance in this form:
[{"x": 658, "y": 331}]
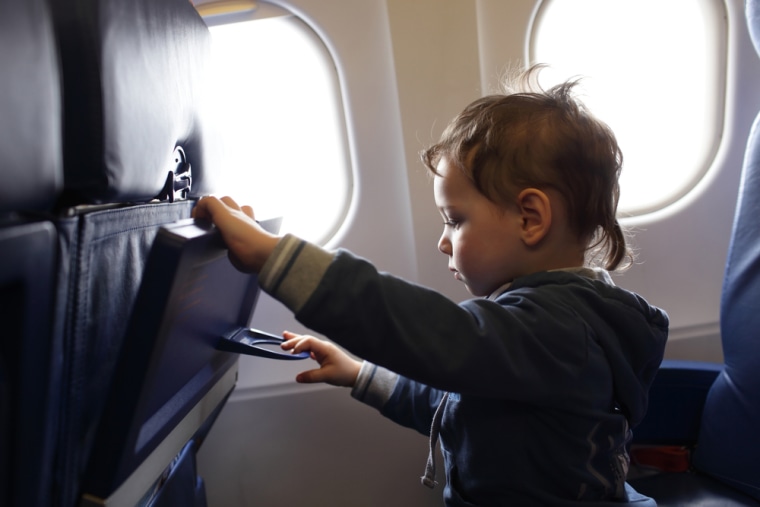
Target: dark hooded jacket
[{"x": 546, "y": 378}]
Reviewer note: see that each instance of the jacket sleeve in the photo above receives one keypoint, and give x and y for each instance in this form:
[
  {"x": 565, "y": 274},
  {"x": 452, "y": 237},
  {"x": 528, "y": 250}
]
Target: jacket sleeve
[
  {"x": 401, "y": 400},
  {"x": 530, "y": 346}
]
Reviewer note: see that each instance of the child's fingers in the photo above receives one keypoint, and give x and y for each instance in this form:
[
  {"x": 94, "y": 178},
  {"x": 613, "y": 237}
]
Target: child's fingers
[
  {"x": 206, "y": 207},
  {"x": 248, "y": 211},
  {"x": 229, "y": 201},
  {"x": 300, "y": 343},
  {"x": 210, "y": 206},
  {"x": 311, "y": 377},
  {"x": 288, "y": 335},
  {"x": 291, "y": 340},
  {"x": 292, "y": 346}
]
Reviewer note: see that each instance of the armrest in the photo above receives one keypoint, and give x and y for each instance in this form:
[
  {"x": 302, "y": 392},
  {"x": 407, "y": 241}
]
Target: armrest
[{"x": 676, "y": 400}]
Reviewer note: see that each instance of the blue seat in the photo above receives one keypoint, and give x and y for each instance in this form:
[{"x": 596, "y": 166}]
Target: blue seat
[{"x": 717, "y": 410}]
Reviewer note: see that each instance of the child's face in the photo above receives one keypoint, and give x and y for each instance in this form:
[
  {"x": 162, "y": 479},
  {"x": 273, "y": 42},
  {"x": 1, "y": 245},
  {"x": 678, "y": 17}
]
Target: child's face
[{"x": 481, "y": 239}]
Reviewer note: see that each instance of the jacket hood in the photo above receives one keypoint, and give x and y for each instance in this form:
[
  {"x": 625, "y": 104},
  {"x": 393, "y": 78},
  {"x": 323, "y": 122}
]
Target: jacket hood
[{"x": 631, "y": 332}]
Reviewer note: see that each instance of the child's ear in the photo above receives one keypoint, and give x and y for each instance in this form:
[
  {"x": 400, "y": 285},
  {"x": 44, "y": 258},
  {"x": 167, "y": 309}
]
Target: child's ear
[{"x": 536, "y": 211}]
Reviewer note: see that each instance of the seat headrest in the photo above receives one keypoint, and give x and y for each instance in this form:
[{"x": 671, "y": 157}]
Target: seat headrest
[
  {"x": 134, "y": 77},
  {"x": 30, "y": 144}
]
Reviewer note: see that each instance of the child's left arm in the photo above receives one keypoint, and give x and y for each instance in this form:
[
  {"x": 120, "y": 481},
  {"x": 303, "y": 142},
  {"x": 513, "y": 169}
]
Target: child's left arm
[{"x": 335, "y": 366}]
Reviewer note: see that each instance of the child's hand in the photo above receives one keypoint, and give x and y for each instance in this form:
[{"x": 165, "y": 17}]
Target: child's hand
[
  {"x": 335, "y": 366},
  {"x": 249, "y": 244}
]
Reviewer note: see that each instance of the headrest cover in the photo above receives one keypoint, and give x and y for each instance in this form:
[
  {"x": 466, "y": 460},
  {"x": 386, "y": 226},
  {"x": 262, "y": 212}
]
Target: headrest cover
[
  {"x": 134, "y": 79},
  {"x": 30, "y": 144}
]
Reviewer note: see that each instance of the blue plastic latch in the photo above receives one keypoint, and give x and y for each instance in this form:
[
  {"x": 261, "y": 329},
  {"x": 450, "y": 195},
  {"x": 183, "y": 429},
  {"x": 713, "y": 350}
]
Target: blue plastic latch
[{"x": 253, "y": 342}]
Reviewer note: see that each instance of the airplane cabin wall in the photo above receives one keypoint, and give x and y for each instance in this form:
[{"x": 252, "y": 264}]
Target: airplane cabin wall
[
  {"x": 436, "y": 55},
  {"x": 683, "y": 249},
  {"x": 407, "y": 67}
]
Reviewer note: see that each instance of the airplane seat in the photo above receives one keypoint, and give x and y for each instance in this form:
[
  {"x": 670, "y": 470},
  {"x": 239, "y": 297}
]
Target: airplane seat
[
  {"x": 136, "y": 155},
  {"x": 717, "y": 408},
  {"x": 31, "y": 175}
]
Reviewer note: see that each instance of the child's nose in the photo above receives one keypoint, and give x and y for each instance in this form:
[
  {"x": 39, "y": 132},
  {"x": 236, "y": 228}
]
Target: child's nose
[{"x": 444, "y": 245}]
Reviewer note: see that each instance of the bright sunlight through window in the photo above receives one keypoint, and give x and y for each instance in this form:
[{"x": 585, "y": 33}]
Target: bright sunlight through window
[
  {"x": 654, "y": 71},
  {"x": 282, "y": 125}
]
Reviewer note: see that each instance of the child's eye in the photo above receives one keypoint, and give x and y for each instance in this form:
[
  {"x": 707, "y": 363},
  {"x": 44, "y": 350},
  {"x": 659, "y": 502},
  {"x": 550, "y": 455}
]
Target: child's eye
[{"x": 451, "y": 223}]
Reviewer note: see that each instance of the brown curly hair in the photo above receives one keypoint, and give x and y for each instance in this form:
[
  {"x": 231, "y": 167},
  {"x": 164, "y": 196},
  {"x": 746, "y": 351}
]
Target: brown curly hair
[{"x": 531, "y": 137}]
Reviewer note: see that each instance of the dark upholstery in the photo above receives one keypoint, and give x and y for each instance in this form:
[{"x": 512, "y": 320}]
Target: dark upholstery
[
  {"x": 725, "y": 462},
  {"x": 133, "y": 76},
  {"x": 134, "y": 81},
  {"x": 676, "y": 403},
  {"x": 30, "y": 370},
  {"x": 105, "y": 252},
  {"x": 31, "y": 174},
  {"x": 30, "y": 144}
]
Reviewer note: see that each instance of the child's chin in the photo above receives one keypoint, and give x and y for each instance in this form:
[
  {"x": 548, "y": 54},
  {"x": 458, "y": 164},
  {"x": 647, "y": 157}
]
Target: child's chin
[{"x": 474, "y": 292}]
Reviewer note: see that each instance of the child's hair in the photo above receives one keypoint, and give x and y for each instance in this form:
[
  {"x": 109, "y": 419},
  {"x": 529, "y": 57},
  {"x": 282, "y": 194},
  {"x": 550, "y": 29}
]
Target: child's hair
[{"x": 531, "y": 137}]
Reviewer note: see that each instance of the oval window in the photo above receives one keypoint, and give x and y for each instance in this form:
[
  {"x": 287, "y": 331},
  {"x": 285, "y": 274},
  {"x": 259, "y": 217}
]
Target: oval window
[
  {"x": 654, "y": 71},
  {"x": 279, "y": 112}
]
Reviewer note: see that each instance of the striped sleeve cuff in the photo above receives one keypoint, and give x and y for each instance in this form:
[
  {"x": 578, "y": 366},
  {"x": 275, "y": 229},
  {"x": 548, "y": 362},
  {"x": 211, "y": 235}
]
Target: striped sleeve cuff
[
  {"x": 374, "y": 385},
  {"x": 293, "y": 271}
]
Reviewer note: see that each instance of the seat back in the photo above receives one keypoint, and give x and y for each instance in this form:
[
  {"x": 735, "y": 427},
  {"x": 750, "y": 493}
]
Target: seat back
[
  {"x": 135, "y": 153},
  {"x": 134, "y": 78},
  {"x": 728, "y": 443},
  {"x": 31, "y": 176}
]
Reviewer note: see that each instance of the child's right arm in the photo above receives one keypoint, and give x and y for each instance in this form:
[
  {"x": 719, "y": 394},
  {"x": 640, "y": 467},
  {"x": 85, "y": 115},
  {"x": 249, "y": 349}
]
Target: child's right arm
[
  {"x": 249, "y": 245},
  {"x": 335, "y": 366}
]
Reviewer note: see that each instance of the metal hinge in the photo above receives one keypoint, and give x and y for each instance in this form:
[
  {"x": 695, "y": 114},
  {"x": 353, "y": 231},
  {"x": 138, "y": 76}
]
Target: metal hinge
[{"x": 179, "y": 181}]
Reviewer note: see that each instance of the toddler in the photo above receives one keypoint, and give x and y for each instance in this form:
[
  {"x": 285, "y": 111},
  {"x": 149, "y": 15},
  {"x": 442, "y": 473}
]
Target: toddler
[{"x": 534, "y": 385}]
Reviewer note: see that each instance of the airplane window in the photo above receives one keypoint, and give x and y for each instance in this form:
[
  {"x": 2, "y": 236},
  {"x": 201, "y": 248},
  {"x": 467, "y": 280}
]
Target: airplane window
[
  {"x": 654, "y": 71},
  {"x": 277, "y": 103}
]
